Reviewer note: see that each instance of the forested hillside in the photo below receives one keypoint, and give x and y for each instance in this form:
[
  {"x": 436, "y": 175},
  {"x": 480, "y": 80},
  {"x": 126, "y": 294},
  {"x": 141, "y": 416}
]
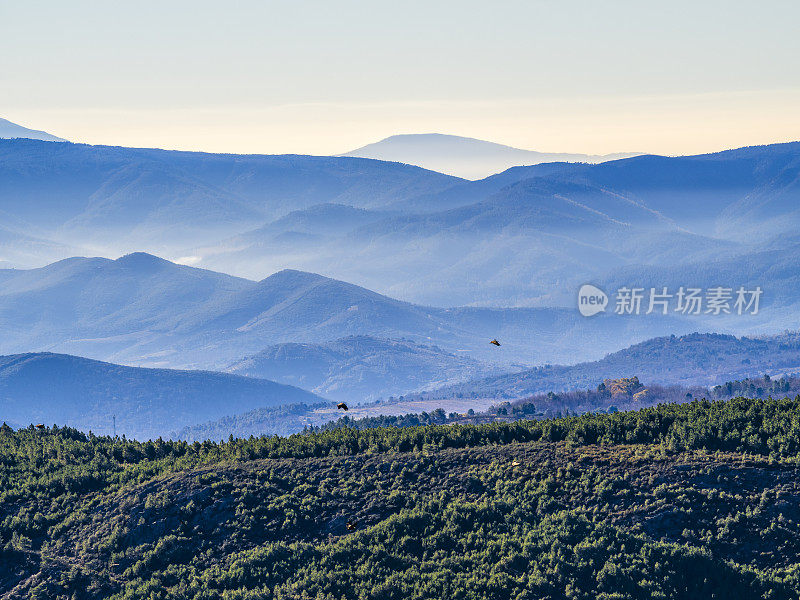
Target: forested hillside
[
  {"x": 693, "y": 359},
  {"x": 698, "y": 500}
]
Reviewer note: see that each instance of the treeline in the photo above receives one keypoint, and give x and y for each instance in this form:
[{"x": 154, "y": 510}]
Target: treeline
[
  {"x": 766, "y": 427},
  {"x": 435, "y": 417},
  {"x": 610, "y": 396},
  {"x": 758, "y": 387}
]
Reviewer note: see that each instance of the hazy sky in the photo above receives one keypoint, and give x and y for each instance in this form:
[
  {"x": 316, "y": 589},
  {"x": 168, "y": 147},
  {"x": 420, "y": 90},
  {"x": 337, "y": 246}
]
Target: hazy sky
[{"x": 324, "y": 77}]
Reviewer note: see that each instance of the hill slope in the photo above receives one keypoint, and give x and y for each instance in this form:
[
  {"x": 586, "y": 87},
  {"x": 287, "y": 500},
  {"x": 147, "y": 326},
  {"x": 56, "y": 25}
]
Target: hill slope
[
  {"x": 82, "y": 393},
  {"x": 531, "y": 243},
  {"x": 516, "y": 237},
  {"x": 9, "y": 130},
  {"x": 359, "y": 367},
  {"x": 526, "y": 237}
]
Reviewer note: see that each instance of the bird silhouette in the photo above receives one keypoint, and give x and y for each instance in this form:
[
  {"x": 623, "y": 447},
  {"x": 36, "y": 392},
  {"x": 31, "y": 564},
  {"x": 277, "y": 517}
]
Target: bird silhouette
[
  {"x": 342, "y": 405},
  {"x": 40, "y": 426},
  {"x": 351, "y": 525},
  {"x": 495, "y": 342}
]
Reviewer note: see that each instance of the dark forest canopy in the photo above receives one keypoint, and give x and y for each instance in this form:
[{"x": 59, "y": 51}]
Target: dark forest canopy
[{"x": 692, "y": 500}]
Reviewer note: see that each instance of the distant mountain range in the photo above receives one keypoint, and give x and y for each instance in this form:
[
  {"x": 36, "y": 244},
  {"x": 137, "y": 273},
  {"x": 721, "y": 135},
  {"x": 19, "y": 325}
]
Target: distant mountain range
[
  {"x": 529, "y": 236},
  {"x": 9, "y": 130},
  {"x": 128, "y": 198},
  {"x": 87, "y": 394},
  {"x": 463, "y": 156},
  {"x": 532, "y": 235},
  {"x": 453, "y": 263},
  {"x": 146, "y": 311}
]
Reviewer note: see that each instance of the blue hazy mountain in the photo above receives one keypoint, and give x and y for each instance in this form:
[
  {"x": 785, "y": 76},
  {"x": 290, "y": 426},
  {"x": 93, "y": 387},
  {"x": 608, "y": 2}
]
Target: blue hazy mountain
[
  {"x": 533, "y": 242},
  {"x": 142, "y": 198},
  {"x": 361, "y": 367},
  {"x": 102, "y": 301},
  {"x": 462, "y": 156},
  {"x": 145, "y": 311},
  {"x": 322, "y": 219},
  {"x": 717, "y": 192},
  {"x": 453, "y": 263},
  {"x": 69, "y": 390},
  {"x": 528, "y": 236},
  {"x": 9, "y": 130},
  {"x": 696, "y": 359},
  {"x": 531, "y": 235}
]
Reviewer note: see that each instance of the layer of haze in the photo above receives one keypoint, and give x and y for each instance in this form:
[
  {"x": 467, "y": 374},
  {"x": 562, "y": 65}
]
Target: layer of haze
[{"x": 326, "y": 77}]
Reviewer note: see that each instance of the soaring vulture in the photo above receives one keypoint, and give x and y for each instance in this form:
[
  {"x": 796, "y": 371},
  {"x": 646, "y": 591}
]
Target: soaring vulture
[
  {"x": 495, "y": 342},
  {"x": 342, "y": 405}
]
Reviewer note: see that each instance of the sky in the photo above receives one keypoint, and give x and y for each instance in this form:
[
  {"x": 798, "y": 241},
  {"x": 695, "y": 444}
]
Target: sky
[{"x": 326, "y": 77}]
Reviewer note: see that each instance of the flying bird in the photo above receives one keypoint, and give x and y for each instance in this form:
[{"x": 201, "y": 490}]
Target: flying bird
[
  {"x": 40, "y": 426},
  {"x": 342, "y": 405},
  {"x": 495, "y": 342},
  {"x": 351, "y": 525}
]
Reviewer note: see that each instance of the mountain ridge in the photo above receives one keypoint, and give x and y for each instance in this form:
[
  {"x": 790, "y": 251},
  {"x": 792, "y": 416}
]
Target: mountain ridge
[
  {"x": 506, "y": 239},
  {"x": 138, "y": 198},
  {"x": 144, "y": 311}
]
